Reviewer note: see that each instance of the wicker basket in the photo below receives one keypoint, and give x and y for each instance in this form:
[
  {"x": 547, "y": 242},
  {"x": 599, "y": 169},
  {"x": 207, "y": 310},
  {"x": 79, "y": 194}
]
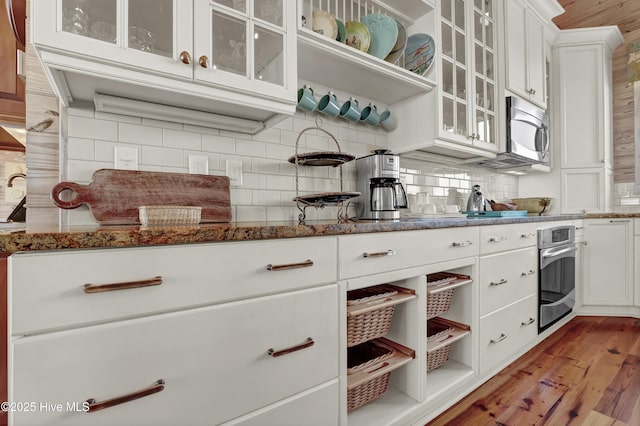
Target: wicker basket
[
  {"x": 435, "y": 330},
  {"x": 363, "y": 356},
  {"x": 440, "y": 288},
  {"x": 366, "y": 321}
]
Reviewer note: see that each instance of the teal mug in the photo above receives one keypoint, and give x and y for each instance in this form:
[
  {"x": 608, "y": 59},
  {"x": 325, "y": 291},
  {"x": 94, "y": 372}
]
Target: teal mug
[
  {"x": 350, "y": 110},
  {"x": 329, "y": 105},
  {"x": 387, "y": 120},
  {"x": 370, "y": 115},
  {"x": 306, "y": 99}
]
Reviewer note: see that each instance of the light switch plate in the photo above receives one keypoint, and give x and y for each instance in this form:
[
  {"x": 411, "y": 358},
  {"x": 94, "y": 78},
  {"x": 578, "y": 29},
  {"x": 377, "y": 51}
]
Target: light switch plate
[
  {"x": 234, "y": 171},
  {"x": 199, "y": 164},
  {"x": 125, "y": 158}
]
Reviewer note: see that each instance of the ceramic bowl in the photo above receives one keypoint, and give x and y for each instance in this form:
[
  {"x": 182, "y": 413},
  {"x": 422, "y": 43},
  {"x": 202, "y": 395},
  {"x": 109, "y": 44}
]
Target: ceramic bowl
[
  {"x": 533, "y": 205},
  {"x": 384, "y": 33}
]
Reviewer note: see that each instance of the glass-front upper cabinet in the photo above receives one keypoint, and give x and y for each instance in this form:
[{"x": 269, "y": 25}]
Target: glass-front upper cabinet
[
  {"x": 150, "y": 34},
  {"x": 467, "y": 72},
  {"x": 249, "y": 43}
]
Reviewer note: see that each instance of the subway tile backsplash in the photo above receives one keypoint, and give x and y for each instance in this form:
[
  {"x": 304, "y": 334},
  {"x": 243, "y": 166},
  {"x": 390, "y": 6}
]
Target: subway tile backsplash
[{"x": 269, "y": 180}]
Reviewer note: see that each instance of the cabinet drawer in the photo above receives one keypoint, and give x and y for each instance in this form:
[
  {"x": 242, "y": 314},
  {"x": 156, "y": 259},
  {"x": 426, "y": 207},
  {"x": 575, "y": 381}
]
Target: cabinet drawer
[
  {"x": 388, "y": 251},
  {"x": 507, "y": 277},
  {"x": 504, "y": 332},
  {"x": 214, "y": 362},
  {"x": 497, "y": 238},
  {"x": 52, "y": 284},
  {"x": 302, "y": 409}
]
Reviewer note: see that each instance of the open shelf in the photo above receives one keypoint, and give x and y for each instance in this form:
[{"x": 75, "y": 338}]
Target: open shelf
[
  {"x": 336, "y": 65},
  {"x": 384, "y": 410},
  {"x": 449, "y": 376}
]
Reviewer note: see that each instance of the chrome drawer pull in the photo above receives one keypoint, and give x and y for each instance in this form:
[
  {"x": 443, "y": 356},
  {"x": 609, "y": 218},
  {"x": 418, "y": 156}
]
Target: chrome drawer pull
[
  {"x": 380, "y": 254},
  {"x": 306, "y": 264},
  {"x": 502, "y": 281},
  {"x": 308, "y": 343},
  {"x": 531, "y": 321},
  {"x": 497, "y": 239},
  {"x": 620, "y": 221},
  {"x": 499, "y": 339},
  {"x": 93, "y": 405},
  {"x": 100, "y": 288},
  {"x": 529, "y": 235},
  {"x": 462, "y": 244},
  {"x": 531, "y": 272}
]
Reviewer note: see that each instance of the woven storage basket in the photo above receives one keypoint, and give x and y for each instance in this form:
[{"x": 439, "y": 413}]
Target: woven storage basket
[
  {"x": 435, "y": 330},
  {"x": 363, "y": 356},
  {"x": 439, "y": 302},
  {"x": 372, "y": 324}
]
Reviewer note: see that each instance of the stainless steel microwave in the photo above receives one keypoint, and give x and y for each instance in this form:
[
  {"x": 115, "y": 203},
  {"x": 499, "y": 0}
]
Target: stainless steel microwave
[
  {"x": 527, "y": 131},
  {"x": 527, "y": 136}
]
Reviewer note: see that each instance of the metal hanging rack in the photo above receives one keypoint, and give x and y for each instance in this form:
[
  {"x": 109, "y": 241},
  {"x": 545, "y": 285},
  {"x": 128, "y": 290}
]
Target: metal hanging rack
[{"x": 321, "y": 200}]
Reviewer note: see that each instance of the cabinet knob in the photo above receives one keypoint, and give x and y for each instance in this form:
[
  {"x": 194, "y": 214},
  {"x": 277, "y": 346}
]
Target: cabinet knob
[
  {"x": 185, "y": 58},
  {"x": 204, "y": 61}
]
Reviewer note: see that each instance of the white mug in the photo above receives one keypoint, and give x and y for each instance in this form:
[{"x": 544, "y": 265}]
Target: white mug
[{"x": 451, "y": 208}]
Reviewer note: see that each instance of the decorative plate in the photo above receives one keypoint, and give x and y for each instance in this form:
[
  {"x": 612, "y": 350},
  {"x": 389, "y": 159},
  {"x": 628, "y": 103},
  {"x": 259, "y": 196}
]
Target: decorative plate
[
  {"x": 326, "y": 198},
  {"x": 324, "y": 23},
  {"x": 401, "y": 43},
  {"x": 322, "y": 158},
  {"x": 419, "y": 53},
  {"x": 384, "y": 33},
  {"x": 342, "y": 31},
  {"x": 357, "y": 35}
]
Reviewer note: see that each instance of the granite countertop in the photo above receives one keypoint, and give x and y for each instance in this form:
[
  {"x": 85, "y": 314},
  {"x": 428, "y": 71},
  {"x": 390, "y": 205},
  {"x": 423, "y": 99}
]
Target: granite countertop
[{"x": 72, "y": 237}]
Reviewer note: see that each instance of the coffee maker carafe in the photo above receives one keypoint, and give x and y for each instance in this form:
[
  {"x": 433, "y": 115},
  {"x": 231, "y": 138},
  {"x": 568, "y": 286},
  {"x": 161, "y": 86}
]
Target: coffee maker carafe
[{"x": 379, "y": 183}]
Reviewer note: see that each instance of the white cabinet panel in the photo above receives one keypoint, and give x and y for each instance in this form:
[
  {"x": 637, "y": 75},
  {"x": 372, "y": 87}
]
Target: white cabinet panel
[
  {"x": 504, "y": 332},
  {"x": 507, "y": 277},
  {"x": 52, "y": 283},
  {"x": 389, "y": 251},
  {"x": 608, "y": 262},
  {"x": 214, "y": 361},
  {"x": 497, "y": 238},
  {"x": 586, "y": 190}
]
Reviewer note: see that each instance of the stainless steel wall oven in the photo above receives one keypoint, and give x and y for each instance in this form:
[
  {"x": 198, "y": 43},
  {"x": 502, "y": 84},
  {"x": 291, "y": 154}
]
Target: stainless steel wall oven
[{"x": 557, "y": 275}]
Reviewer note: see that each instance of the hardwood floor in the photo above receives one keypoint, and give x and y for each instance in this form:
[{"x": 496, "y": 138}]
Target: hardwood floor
[{"x": 587, "y": 373}]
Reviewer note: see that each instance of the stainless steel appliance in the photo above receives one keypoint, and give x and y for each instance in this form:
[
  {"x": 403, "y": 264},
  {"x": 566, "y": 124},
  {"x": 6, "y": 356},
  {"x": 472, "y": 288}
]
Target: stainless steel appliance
[
  {"x": 379, "y": 183},
  {"x": 527, "y": 136},
  {"x": 557, "y": 275}
]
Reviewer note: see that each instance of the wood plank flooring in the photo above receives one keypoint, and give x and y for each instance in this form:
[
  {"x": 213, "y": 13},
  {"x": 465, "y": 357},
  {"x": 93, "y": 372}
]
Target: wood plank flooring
[{"x": 587, "y": 373}]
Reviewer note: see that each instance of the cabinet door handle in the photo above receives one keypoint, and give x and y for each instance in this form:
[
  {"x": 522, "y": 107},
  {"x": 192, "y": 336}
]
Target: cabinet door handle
[
  {"x": 502, "y": 281},
  {"x": 620, "y": 221},
  {"x": 531, "y": 321},
  {"x": 585, "y": 243},
  {"x": 306, "y": 264},
  {"x": 185, "y": 57},
  {"x": 499, "y": 339},
  {"x": 380, "y": 254},
  {"x": 94, "y": 405},
  {"x": 462, "y": 244},
  {"x": 529, "y": 235},
  {"x": 100, "y": 288},
  {"x": 531, "y": 272},
  {"x": 307, "y": 344},
  {"x": 579, "y": 228},
  {"x": 497, "y": 239},
  {"x": 204, "y": 61}
]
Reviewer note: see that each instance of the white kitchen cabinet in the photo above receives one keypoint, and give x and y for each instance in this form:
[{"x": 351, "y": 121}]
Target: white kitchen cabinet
[
  {"x": 236, "y": 58},
  {"x": 507, "y": 330},
  {"x": 607, "y": 275},
  {"x": 583, "y": 87},
  {"x": 257, "y": 319},
  {"x": 525, "y": 54},
  {"x": 214, "y": 361},
  {"x": 459, "y": 118}
]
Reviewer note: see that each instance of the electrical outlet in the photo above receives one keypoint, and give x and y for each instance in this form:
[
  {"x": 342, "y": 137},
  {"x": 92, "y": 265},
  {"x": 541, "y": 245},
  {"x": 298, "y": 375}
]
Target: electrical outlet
[
  {"x": 126, "y": 158},
  {"x": 234, "y": 171},
  {"x": 199, "y": 164}
]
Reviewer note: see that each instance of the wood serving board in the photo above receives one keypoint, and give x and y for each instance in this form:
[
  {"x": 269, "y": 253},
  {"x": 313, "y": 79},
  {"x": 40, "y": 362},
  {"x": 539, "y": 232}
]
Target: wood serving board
[{"x": 113, "y": 196}]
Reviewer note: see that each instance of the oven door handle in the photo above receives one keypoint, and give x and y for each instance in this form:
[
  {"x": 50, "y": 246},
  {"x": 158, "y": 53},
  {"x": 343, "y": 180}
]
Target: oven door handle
[{"x": 552, "y": 254}]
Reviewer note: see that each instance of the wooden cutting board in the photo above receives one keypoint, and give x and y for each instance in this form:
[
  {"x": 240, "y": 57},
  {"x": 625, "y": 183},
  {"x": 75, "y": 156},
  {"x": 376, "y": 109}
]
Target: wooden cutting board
[{"x": 113, "y": 196}]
